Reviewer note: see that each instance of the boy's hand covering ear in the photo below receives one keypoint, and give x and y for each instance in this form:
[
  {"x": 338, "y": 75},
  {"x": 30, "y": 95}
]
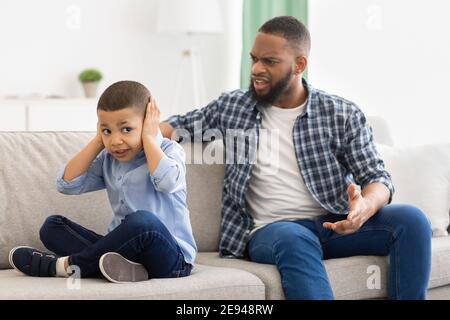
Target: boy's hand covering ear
[
  {"x": 98, "y": 137},
  {"x": 151, "y": 120}
]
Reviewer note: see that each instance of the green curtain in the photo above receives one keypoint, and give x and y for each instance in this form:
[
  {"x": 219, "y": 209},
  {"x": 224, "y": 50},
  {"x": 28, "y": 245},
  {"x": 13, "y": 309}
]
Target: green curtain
[{"x": 256, "y": 12}]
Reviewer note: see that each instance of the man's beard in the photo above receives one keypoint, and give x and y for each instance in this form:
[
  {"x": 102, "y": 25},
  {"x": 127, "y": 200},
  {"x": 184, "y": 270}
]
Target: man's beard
[{"x": 275, "y": 93}]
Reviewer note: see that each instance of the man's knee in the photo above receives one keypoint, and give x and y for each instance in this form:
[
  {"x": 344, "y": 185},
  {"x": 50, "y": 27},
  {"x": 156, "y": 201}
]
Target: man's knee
[
  {"x": 413, "y": 219},
  {"x": 418, "y": 219}
]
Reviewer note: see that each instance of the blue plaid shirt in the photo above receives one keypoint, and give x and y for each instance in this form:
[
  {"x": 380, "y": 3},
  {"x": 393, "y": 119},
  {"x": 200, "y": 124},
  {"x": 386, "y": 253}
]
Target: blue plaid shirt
[{"x": 333, "y": 143}]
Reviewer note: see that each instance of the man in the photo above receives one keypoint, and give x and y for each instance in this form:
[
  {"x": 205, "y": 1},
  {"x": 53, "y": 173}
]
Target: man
[{"x": 305, "y": 206}]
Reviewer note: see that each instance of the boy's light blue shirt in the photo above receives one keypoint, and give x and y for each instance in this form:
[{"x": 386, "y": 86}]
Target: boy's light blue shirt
[{"x": 130, "y": 188}]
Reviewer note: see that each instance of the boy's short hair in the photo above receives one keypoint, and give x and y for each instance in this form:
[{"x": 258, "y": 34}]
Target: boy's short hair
[
  {"x": 124, "y": 94},
  {"x": 291, "y": 29}
]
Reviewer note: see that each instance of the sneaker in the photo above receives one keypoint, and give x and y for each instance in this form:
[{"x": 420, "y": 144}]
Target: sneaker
[
  {"x": 33, "y": 262},
  {"x": 117, "y": 269}
]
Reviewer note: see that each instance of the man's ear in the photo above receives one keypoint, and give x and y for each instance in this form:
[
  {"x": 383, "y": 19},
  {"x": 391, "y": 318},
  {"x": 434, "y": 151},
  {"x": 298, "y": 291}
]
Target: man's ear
[{"x": 301, "y": 62}]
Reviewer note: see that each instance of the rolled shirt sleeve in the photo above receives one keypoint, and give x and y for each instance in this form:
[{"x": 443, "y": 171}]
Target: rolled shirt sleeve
[
  {"x": 362, "y": 157},
  {"x": 91, "y": 180},
  {"x": 169, "y": 175}
]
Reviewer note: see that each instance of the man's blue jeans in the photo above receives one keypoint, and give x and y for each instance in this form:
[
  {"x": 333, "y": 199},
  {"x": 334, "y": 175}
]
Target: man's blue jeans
[
  {"x": 298, "y": 248},
  {"x": 141, "y": 237}
]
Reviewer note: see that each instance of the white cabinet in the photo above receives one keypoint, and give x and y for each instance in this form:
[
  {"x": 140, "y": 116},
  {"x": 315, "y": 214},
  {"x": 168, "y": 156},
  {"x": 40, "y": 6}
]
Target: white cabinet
[
  {"x": 12, "y": 115},
  {"x": 48, "y": 115}
]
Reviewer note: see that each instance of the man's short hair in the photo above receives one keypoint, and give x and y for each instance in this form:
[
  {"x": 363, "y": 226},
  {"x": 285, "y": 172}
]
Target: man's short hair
[
  {"x": 124, "y": 94},
  {"x": 291, "y": 29}
]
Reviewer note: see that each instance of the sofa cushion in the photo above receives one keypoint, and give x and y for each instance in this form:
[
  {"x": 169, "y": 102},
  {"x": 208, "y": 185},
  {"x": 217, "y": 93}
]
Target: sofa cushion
[
  {"x": 350, "y": 278},
  {"x": 440, "y": 263},
  {"x": 439, "y": 293},
  {"x": 29, "y": 164},
  {"x": 421, "y": 176},
  {"x": 266, "y": 272},
  {"x": 204, "y": 283},
  {"x": 204, "y": 197}
]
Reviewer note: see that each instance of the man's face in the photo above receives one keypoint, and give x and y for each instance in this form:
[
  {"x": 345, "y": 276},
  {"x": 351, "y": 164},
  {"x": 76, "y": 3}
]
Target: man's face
[
  {"x": 121, "y": 132},
  {"x": 273, "y": 63}
]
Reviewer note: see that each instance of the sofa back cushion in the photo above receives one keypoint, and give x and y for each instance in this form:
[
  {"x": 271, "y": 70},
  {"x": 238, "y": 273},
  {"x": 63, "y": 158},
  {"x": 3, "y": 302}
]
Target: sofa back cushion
[
  {"x": 29, "y": 162},
  {"x": 421, "y": 176},
  {"x": 204, "y": 197}
]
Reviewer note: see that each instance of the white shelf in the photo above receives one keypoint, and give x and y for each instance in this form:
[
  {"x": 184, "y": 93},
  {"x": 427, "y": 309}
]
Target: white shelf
[
  {"x": 48, "y": 114},
  {"x": 12, "y": 115}
]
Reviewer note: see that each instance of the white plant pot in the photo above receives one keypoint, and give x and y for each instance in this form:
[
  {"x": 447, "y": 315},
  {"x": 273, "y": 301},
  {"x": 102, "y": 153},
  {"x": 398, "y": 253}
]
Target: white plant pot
[{"x": 90, "y": 89}]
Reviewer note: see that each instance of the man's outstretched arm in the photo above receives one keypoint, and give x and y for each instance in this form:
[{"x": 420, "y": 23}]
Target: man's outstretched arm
[
  {"x": 166, "y": 129},
  {"x": 192, "y": 123},
  {"x": 376, "y": 195}
]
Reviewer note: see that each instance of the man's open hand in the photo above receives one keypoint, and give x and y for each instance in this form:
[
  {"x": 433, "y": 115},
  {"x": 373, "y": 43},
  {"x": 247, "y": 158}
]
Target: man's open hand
[{"x": 359, "y": 213}]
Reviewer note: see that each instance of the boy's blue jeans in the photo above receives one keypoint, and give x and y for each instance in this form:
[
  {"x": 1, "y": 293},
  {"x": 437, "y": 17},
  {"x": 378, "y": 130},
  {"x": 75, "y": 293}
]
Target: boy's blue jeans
[
  {"x": 141, "y": 237},
  {"x": 298, "y": 248}
]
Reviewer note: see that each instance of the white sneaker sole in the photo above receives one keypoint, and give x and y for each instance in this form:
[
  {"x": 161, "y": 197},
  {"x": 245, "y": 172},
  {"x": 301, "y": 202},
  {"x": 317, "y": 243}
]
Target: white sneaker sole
[{"x": 118, "y": 269}]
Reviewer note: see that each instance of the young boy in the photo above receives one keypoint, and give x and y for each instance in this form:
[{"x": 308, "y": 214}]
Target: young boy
[{"x": 150, "y": 235}]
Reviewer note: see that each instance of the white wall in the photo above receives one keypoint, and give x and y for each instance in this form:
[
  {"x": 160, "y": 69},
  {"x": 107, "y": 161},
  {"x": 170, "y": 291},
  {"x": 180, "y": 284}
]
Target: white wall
[
  {"x": 392, "y": 57},
  {"x": 389, "y": 56},
  {"x": 46, "y": 43}
]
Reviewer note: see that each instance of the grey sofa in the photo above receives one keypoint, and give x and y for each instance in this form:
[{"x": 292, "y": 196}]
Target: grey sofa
[{"x": 28, "y": 165}]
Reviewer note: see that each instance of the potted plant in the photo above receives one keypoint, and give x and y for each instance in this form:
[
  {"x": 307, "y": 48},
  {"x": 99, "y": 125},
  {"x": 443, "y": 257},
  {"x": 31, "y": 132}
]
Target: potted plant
[{"x": 90, "y": 78}]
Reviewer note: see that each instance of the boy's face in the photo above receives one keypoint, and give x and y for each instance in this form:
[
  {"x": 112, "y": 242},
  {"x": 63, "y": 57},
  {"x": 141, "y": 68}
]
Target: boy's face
[{"x": 121, "y": 132}]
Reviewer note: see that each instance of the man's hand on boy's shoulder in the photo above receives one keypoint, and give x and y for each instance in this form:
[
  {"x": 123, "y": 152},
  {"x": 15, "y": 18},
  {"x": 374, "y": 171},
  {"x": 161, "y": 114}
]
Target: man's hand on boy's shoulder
[{"x": 151, "y": 120}]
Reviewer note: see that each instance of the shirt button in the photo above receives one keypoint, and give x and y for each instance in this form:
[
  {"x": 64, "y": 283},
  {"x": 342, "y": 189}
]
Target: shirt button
[{"x": 121, "y": 201}]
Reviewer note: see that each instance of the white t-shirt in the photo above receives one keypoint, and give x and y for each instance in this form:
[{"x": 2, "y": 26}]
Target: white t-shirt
[{"x": 276, "y": 188}]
